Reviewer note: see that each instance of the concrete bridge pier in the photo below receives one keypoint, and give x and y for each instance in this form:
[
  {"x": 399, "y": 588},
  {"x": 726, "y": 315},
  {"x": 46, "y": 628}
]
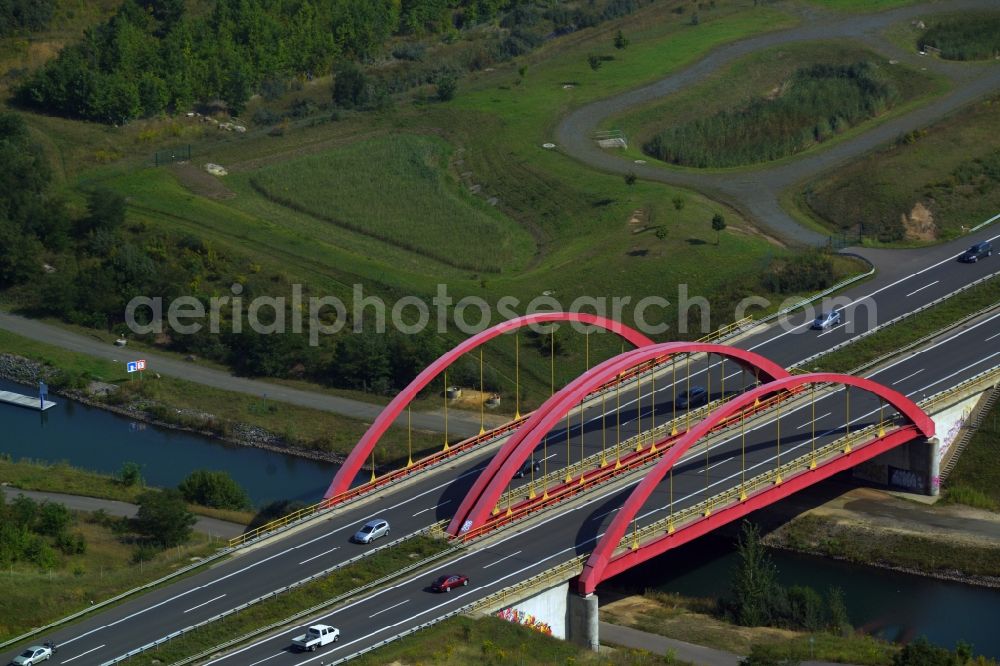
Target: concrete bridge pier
[
  {"x": 583, "y": 620},
  {"x": 914, "y": 467}
]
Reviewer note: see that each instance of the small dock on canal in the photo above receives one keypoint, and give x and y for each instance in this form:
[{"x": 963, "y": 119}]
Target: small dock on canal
[{"x": 31, "y": 402}]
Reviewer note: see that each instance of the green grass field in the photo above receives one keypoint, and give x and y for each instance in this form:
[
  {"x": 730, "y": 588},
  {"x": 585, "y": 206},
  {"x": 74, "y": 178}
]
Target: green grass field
[
  {"x": 765, "y": 74},
  {"x": 941, "y": 178},
  {"x": 33, "y": 597},
  {"x": 411, "y": 203},
  {"x": 578, "y": 222}
]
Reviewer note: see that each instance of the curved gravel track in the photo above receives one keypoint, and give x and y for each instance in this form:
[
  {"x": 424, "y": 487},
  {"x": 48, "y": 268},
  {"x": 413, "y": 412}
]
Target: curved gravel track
[{"x": 755, "y": 192}]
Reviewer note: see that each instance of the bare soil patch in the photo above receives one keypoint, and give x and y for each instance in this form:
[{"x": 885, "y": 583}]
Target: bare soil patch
[{"x": 200, "y": 182}]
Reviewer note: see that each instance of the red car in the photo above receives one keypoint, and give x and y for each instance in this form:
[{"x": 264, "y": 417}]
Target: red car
[{"x": 445, "y": 583}]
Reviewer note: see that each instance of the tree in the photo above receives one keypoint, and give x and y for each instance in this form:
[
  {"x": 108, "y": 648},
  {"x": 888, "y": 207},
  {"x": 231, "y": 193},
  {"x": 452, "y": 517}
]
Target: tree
[
  {"x": 921, "y": 652},
  {"x": 594, "y": 61},
  {"x": 718, "y": 224},
  {"x": 754, "y": 582},
  {"x": 215, "y": 489},
  {"x": 105, "y": 212},
  {"x": 630, "y": 178},
  {"x": 163, "y": 517},
  {"x": 349, "y": 86},
  {"x": 621, "y": 41}
]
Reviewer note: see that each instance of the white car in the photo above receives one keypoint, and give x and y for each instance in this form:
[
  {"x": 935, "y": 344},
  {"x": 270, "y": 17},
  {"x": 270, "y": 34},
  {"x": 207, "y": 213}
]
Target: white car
[
  {"x": 316, "y": 637},
  {"x": 371, "y": 530},
  {"x": 36, "y": 654}
]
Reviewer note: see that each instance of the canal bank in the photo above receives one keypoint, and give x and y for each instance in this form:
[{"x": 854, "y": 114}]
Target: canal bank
[
  {"x": 96, "y": 439},
  {"x": 891, "y": 604}
]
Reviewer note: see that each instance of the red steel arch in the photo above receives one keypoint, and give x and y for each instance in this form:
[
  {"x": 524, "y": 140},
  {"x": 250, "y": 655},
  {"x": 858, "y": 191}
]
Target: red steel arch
[
  {"x": 490, "y": 485},
  {"x": 597, "y": 564},
  {"x": 358, "y": 456}
]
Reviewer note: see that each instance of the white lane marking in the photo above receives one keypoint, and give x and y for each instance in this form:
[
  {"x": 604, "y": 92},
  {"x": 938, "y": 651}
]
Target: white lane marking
[
  {"x": 316, "y": 557},
  {"x": 909, "y": 376},
  {"x": 502, "y": 559},
  {"x": 587, "y": 503},
  {"x": 557, "y": 516},
  {"x": 83, "y": 635},
  {"x": 204, "y": 604},
  {"x": 995, "y": 335},
  {"x": 832, "y": 329},
  {"x": 934, "y": 346},
  {"x": 82, "y": 654},
  {"x": 266, "y": 659},
  {"x": 926, "y": 286},
  {"x": 389, "y": 608},
  {"x": 711, "y": 467},
  {"x": 431, "y": 508},
  {"x": 814, "y": 420},
  {"x": 868, "y": 296},
  {"x": 958, "y": 372}
]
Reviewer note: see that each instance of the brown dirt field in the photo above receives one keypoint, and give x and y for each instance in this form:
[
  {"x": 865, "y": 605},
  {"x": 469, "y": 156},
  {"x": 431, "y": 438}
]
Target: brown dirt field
[{"x": 200, "y": 182}]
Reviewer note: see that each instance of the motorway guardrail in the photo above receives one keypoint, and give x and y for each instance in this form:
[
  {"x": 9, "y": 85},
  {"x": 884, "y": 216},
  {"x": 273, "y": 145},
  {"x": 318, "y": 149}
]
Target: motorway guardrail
[
  {"x": 119, "y": 597},
  {"x": 898, "y": 319},
  {"x": 436, "y": 528}
]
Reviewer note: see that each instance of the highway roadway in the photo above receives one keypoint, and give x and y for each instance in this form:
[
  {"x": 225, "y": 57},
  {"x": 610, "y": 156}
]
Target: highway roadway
[
  {"x": 575, "y": 528},
  {"x": 426, "y": 500}
]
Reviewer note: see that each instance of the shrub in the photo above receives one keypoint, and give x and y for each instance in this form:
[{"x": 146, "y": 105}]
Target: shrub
[{"x": 215, "y": 489}]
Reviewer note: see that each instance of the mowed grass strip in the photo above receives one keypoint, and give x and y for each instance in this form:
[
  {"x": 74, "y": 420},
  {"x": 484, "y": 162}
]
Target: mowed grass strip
[
  {"x": 404, "y": 197},
  {"x": 912, "y": 329},
  {"x": 278, "y": 608}
]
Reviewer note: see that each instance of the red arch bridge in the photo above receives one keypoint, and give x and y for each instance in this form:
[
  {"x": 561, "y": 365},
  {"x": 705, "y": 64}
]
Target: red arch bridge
[{"x": 693, "y": 435}]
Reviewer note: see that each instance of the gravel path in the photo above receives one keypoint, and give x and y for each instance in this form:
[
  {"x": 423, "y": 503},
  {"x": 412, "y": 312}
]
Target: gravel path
[{"x": 755, "y": 192}]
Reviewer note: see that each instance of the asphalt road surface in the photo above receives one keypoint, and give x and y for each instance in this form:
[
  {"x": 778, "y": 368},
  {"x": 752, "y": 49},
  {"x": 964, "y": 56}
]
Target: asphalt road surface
[{"x": 426, "y": 500}]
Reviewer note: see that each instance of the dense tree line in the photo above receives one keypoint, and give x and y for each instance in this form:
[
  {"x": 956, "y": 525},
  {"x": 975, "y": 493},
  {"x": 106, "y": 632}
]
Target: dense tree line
[
  {"x": 818, "y": 102},
  {"x": 36, "y": 532},
  {"x": 25, "y": 15},
  {"x": 965, "y": 38},
  {"x": 153, "y": 56}
]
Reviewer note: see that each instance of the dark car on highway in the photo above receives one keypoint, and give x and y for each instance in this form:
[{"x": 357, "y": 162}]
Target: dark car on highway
[
  {"x": 526, "y": 468},
  {"x": 976, "y": 252},
  {"x": 697, "y": 395},
  {"x": 445, "y": 583}
]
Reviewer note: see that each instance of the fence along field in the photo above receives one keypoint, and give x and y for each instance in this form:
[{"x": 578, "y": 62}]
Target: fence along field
[{"x": 410, "y": 203}]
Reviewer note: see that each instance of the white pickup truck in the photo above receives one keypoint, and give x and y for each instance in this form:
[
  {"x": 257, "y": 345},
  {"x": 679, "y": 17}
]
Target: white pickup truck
[{"x": 316, "y": 636}]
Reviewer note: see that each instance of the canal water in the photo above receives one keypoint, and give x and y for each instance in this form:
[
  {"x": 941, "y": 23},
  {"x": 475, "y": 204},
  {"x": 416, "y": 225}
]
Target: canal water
[
  {"x": 97, "y": 440},
  {"x": 895, "y": 606},
  {"x": 889, "y": 604}
]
